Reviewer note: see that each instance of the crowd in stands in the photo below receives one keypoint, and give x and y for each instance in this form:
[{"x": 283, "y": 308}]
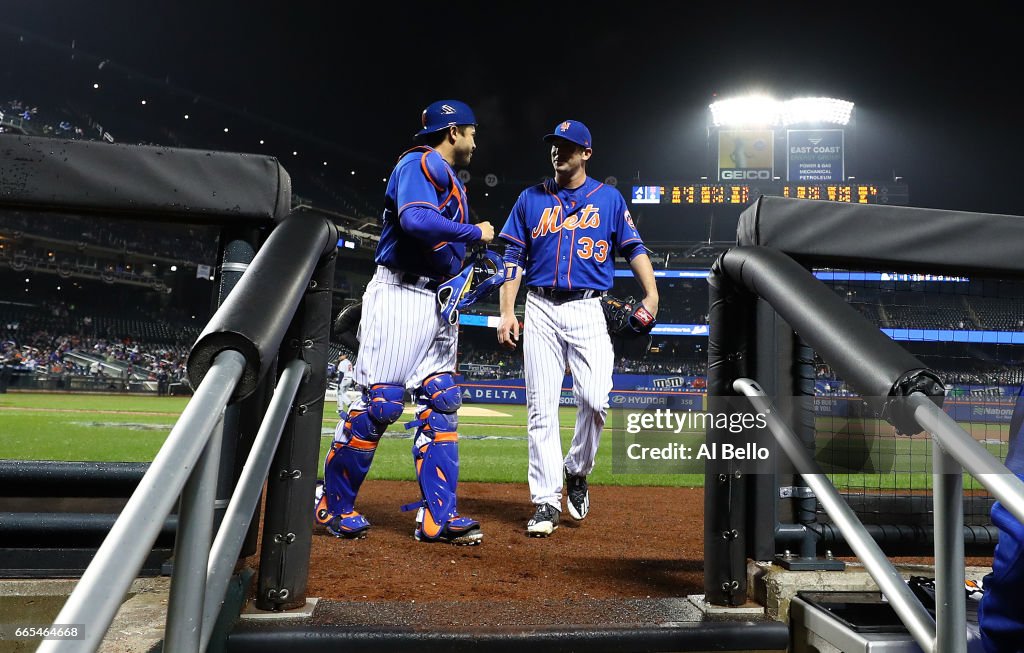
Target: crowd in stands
[
  {"x": 191, "y": 243},
  {"x": 937, "y": 308},
  {"x": 53, "y": 343},
  {"x": 978, "y": 373},
  {"x": 24, "y": 117},
  {"x": 483, "y": 364}
]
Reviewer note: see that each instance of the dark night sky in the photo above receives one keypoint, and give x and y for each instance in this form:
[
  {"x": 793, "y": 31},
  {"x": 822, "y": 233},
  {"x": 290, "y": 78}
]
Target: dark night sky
[{"x": 346, "y": 81}]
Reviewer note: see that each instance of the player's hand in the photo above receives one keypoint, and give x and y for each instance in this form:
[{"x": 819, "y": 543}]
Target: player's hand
[
  {"x": 651, "y": 304},
  {"x": 486, "y": 231},
  {"x": 508, "y": 331}
]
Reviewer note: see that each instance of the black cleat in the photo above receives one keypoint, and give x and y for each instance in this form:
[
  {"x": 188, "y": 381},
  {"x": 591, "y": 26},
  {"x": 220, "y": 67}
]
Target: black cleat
[
  {"x": 544, "y": 521},
  {"x": 578, "y": 495}
]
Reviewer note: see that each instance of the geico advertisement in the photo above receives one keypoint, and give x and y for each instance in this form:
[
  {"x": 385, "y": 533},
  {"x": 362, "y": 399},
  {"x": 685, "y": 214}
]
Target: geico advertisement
[{"x": 746, "y": 155}]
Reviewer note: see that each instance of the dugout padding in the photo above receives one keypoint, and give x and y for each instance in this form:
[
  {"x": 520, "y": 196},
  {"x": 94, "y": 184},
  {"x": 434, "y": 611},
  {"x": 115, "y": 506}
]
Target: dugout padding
[
  {"x": 822, "y": 234},
  {"x": 148, "y": 182}
]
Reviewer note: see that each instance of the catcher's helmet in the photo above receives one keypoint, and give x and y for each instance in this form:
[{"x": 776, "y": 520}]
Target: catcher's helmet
[{"x": 445, "y": 113}]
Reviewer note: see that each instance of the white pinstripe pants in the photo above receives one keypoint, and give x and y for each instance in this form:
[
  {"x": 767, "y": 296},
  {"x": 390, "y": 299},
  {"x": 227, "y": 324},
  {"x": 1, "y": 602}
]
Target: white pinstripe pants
[
  {"x": 402, "y": 337},
  {"x": 573, "y": 333}
]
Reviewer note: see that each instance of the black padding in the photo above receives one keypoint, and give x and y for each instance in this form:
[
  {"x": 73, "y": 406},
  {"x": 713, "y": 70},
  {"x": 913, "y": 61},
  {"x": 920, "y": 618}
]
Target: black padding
[
  {"x": 157, "y": 183},
  {"x": 881, "y": 237},
  {"x": 254, "y": 316},
  {"x": 685, "y": 636},
  {"x": 55, "y": 478},
  {"x": 68, "y": 529}
]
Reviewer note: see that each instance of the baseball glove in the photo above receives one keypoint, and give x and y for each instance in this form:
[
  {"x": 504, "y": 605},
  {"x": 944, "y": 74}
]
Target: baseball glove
[
  {"x": 627, "y": 318},
  {"x": 346, "y": 324}
]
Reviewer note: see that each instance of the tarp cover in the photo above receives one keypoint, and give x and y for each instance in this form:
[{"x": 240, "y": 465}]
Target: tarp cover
[
  {"x": 151, "y": 182},
  {"x": 877, "y": 237}
]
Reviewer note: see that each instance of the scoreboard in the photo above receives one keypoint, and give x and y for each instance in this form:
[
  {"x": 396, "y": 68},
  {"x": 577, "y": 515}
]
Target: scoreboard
[{"x": 710, "y": 193}]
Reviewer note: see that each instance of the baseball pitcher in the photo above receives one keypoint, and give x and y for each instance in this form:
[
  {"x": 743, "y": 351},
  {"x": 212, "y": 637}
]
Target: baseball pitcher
[
  {"x": 562, "y": 236},
  {"x": 405, "y": 345}
]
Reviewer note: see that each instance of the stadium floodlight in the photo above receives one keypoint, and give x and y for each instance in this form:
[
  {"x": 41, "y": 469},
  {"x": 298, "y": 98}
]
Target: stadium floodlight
[
  {"x": 764, "y": 111},
  {"x": 815, "y": 110},
  {"x": 750, "y": 110}
]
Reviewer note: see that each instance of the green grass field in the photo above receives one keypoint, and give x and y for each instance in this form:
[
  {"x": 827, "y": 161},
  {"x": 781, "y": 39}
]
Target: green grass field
[
  {"x": 493, "y": 447},
  {"x": 493, "y": 444}
]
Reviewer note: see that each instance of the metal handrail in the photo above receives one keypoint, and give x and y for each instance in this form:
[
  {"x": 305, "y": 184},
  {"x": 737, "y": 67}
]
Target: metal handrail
[
  {"x": 907, "y": 606},
  {"x": 227, "y": 545},
  {"x": 976, "y": 459},
  {"x": 202, "y": 571},
  {"x": 94, "y": 602},
  {"x": 953, "y": 451}
]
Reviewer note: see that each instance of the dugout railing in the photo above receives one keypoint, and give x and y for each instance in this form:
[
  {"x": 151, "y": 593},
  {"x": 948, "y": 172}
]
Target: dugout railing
[
  {"x": 252, "y": 426},
  {"x": 761, "y": 516},
  {"x": 896, "y": 386},
  {"x": 258, "y": 369}
]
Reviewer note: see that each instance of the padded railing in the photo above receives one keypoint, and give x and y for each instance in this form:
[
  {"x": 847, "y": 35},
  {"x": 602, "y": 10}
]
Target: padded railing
[
  {"x": 899, "y": 388},
  {"x": 276, "y": 317},
  {"x": 953, "y": 450}
]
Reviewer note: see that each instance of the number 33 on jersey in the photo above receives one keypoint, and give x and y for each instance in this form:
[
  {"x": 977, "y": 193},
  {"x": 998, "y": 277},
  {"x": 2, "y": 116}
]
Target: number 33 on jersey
[{"x": 569, "y": 234}]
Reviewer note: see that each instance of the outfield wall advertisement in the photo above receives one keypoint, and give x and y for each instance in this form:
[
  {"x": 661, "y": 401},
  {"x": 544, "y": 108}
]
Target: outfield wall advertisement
[
  {"x": 964, "y": 403},
  {"x": 628, "y": 391}
]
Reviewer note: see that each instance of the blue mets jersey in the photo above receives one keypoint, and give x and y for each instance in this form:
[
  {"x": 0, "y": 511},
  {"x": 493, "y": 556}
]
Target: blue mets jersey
[
  {"x": 422, "y": 179},
  {"x": 570, "y": 236}
]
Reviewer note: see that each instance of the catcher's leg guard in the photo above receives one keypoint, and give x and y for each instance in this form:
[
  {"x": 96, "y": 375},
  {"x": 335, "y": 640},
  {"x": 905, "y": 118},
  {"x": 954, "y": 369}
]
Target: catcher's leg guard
[
  {"x": 435, "y": 452},
  {"x": 349, "y": 458}
]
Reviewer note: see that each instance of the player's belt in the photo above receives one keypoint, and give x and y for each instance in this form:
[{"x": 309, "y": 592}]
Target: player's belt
[
  {"x": 420, "y": 282},
  {"x": 410, "y": 279},
  {"x": 559, "y": 295}
]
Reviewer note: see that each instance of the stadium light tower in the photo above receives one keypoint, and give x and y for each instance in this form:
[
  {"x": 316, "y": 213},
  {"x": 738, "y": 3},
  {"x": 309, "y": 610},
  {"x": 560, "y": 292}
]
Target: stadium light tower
[{"x": 761, "y": 110}]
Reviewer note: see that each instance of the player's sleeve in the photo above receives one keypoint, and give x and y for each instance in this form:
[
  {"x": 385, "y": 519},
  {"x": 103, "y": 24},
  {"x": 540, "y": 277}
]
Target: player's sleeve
[
  {"x": 427, "y": 224},
  {"x": 421, "y": 180},
  {"x": 999, "y": 615},
  {"x": 514, "y": 255},
  {"x": 514, "y": 231},
  {"x": 627, "y": 239}
]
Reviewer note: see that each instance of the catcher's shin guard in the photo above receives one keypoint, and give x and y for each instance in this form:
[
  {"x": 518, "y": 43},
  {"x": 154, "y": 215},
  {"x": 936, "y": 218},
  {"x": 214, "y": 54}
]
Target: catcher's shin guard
[
  {"x": 436, "y": 455},
  {"x": 349, "y": 459}
]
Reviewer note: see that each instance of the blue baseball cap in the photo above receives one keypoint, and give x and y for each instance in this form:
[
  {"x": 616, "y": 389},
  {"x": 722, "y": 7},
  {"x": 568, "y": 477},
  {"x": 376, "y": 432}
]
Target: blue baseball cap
[
  {"x": 573, "y": 131},
  {"x": 445, "y": 113}
]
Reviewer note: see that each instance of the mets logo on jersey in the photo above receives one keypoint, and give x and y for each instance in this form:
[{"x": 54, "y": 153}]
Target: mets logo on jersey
[
  {"x": 551, "y": 220},
  {"x": 629, "y": 220}
]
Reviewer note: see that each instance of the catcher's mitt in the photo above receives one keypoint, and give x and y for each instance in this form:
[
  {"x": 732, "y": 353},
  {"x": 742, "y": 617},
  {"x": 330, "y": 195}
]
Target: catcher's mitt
[
  {"x": 627, "y": 318},
  {"x": 346, "y": 324}
]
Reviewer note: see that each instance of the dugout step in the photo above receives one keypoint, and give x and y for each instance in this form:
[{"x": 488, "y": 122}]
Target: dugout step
[
  {"x": 543, "y": 625},
  {"x": 853, "y": 622},
  {"x": 861, "y": 622}
]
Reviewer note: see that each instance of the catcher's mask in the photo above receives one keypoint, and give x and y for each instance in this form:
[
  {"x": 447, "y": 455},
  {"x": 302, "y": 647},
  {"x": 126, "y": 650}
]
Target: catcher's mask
[{"x": 484, "y": 272}]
